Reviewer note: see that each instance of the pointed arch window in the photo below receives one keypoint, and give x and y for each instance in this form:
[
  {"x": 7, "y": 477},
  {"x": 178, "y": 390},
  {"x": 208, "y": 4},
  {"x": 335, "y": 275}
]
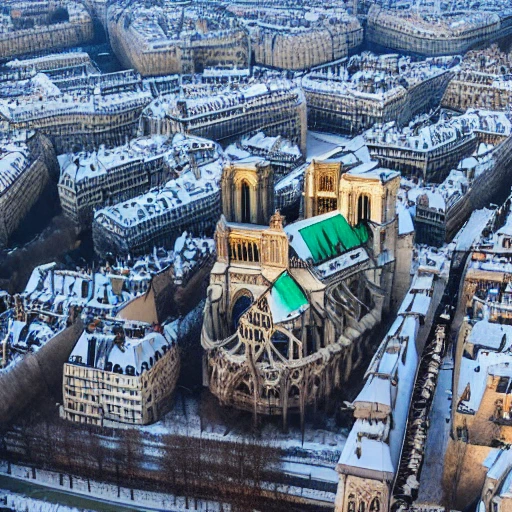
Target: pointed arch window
[
  {"x": 363, "y": 208},
  {"x": 245, "y": 202}
]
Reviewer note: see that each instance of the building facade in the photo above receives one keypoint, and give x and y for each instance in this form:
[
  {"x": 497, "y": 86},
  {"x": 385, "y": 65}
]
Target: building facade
[
  {"x": 78, "y": 113},
  {"x": 433, "y": 33},
  {"x": 275, "y": 107},
  {"x": 289, "y": 313},
  {"x": 368, "y": 89},
  {"x": 172, "y": 38},
  {"x": 189, "y": 202},
  {"x": 31, "y": 26},
  {"x": 89, "y": 181},
  {"x": 29, "y": 166},
  {"x": 296, "y": 39},
  {"x": 123, "y": 373},
  {"x": 483, "y": 81}
]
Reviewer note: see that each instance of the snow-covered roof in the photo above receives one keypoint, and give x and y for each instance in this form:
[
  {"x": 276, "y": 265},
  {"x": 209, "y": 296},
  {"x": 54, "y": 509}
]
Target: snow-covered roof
[
  {"x": 14, "y": 162},
  {"x": 374, "y": 444},
  {"x": 137, "y": 352},
  {"x": 362, "y": 453},
  {"x": 375, "y": 391},
  {"x": 498, "y": 462},
  {"x": 491, "y": 335},
  {"x": 473, "y": 375},
  {"x": 177, "y": 151},
  {"x": 405, "y": 224},
  {"x": 156, "y": 203},
  {"x": 467, "y": 236},
  {"x": 423, "y": 138},
  {"x": 378, "y": 78},
  {"x": 415, "y": 303},
  {"x": 193, "y": 104}
]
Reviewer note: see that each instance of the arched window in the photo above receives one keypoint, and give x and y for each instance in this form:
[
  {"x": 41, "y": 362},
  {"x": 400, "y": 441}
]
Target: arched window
[
  {"x": 362, "y": 506},
  {"x": 351, "y": 503},
  {"x": 239, "y": 308},
  {"x": 363, "y": 208},
  {"x": 375, "y": 505},
  {"x": 246, "y": 202}
]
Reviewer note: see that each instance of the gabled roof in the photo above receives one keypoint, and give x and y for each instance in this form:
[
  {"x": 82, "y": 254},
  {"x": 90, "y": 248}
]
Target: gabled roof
[
  {"x": 325, "y": 236},
  {"x": 286, "y": 298}
]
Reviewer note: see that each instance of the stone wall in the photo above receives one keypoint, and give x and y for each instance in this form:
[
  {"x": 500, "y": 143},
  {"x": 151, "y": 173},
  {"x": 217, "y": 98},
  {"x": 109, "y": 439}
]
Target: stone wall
[
  {"x": 62, "y": 35},
  {"x": 387, "y": 29}
]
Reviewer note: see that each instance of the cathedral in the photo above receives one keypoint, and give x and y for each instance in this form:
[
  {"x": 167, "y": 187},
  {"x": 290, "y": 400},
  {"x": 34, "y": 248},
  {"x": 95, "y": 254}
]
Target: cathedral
[{"x": 291, "y": 308}]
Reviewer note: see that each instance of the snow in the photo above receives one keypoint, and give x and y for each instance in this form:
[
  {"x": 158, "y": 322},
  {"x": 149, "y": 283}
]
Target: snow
[
  {"x": 474, "y": 373},
  {"x": 318, "y": 144},
  {"x": 438, "y": 434},
  {"x": 311, "y": 472},
  {"x": 101, "y": 492},
  {"x": 135, "y": 352},
  {"x": 415, "y": 303},
  {"x": 499, "y": 462},
  {"x": 405, "y": 224},
  {"x": 406, "y": 376},
  {"x": 342, "y": 262},
  {"x": 447, "y": 131},
  {"x": 422, "y": 282},
  {"x": 376, "y": 390},
  {"x": 14, "y": 162},
  {"x": 362, "y": 452},
  {"x": 467, "y": 236},
  {"x": 490, "y": 335},
  {"x": 255, "y": 90},
  {"x": 372, "y": 445}
]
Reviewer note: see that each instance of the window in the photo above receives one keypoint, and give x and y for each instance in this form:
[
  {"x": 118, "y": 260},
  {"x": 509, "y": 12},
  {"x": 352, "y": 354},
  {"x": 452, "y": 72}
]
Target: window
[
  {"x": 351, "y": 503},
  {"x": 502, "y": 385},
  {"x": 246, "y": 202},
  {"x": 363, "y": 208},
  {"x": 326, "y": 205},
  {"x": 326, "y": 184}
]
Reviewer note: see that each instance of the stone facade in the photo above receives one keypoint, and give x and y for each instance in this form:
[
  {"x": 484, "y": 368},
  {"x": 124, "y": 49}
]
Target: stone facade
[
  {"x": 271, "y": 356},
  {"x": 89, "y": 181},
  {"x": 28, "y": 167},
  {"x": 430, "y": 33},
  {"x": 297, "y": 39},
  {"x": 483, "y": 81},
  {"x": 78, "y": 113},
  {"x": 275, "y": 107},
  {"x": 189, "y": 202},
  {"x": 97, "y": 388},
  {"x": 183, "y": 39},
  {"x": 33, "y": 26},
  {"x": 368, "y": 89}
]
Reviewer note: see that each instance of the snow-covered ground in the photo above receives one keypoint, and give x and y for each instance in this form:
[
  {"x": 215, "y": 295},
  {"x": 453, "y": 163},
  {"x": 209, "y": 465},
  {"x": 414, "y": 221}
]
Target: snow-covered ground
[
  {"x": 102, "y": 492},
  {"x": 321, "y": 446}
]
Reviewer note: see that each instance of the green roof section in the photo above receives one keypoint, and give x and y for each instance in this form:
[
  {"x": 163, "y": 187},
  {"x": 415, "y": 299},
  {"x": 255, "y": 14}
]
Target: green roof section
[
  {"x": 286, "y": 297},
  {"x": 332, "y": 236}
]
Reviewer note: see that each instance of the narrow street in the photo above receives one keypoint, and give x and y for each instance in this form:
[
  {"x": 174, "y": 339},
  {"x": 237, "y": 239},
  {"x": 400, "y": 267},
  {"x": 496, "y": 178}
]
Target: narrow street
[{"x": 437, "y": 439}]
